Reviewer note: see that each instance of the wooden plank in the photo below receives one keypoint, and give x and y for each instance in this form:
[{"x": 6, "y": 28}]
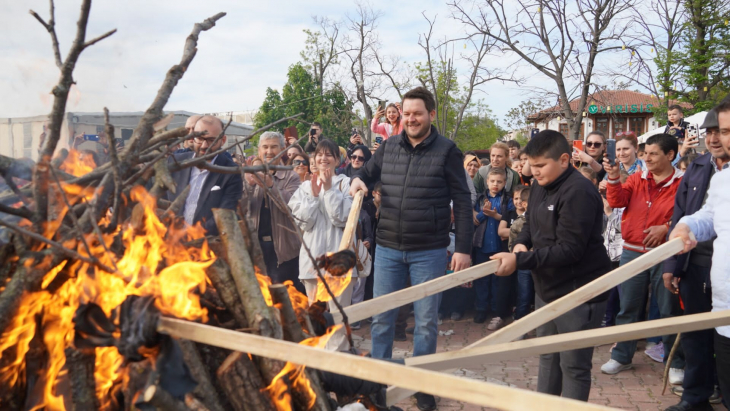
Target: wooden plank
[
  {"x": 367, "y": 309},
  {"x": 384, "y": 372},
  {"x": 348, "y": 234},
  {"x": 571, "y": 341},
  {"x": 564, "y": 304}
]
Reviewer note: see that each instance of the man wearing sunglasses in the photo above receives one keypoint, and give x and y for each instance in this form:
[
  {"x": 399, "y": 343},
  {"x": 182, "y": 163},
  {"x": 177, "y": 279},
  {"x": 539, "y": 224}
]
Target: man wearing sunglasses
[{"x": 208, "y": 189}]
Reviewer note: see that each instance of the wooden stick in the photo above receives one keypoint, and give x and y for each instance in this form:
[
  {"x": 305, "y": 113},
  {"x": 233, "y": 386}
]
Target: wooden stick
[
  {"x": 384, "y": 372},
  {"x": 669, "y": 361},
  {"x": 408, "y": 295},
  {"x": 352, "y": 219},
  {"x": 468, "y": 357},
  {"x": 562, "y": 305}
]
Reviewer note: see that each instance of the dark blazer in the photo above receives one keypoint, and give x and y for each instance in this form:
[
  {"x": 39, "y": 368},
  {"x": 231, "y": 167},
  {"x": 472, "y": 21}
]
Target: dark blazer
[
  {"x": 690, "y": 196},
  {"x": 231, "y": 189}
]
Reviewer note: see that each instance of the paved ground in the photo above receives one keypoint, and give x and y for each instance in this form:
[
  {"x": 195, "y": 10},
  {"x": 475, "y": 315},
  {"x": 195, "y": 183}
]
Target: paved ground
[{"x": 638, "y": 389}]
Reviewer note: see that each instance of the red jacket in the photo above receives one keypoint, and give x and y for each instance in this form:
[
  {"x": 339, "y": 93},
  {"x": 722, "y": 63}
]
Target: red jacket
[{"x": 643, "y": 209}]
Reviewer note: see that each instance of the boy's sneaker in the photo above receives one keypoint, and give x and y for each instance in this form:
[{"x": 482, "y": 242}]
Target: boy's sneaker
[
  {"x": 716, "y": 397},
  {"x": 355, "y": 326},
  {"x": 400, "y": 335},
  {"x": 676, "y": 376},
  {"x": 456, "y": 316},
  {"x": 495, "y": 324},
  {"x": 614, "y": 367},
  {"x": 656, "y": 352},
  {"x": 425, "y": 402}
]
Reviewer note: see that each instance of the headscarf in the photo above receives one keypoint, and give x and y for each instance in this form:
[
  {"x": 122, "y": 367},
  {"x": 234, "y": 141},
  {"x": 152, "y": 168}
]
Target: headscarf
[{"x": 469, "y": 158}]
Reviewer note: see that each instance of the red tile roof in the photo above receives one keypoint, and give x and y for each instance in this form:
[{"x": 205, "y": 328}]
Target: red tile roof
[{"x": 611, "y": 98}]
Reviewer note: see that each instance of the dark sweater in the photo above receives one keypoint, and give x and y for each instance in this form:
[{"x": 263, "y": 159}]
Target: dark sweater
[{"x": 563, "y": 227}]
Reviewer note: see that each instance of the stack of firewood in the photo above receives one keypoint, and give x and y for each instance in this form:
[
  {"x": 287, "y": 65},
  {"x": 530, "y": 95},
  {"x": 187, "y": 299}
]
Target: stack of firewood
[{"x": 59, "y": 224}]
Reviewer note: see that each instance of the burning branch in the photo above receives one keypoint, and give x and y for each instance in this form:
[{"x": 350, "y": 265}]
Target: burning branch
[{"x": 60, "y": 93}]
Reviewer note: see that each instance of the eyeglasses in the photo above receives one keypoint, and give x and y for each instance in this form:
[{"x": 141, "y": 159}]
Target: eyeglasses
[
  {"x": 298, "y": 163},
  {"x": 358, "y": 158},
  {"x": 201, "y": 140},
  {"x": 592, "y": 144}
]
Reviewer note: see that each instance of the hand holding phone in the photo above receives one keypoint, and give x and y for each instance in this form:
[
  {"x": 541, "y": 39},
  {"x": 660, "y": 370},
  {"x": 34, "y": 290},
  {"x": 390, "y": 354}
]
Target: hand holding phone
[{"x": 611, "y": 151}]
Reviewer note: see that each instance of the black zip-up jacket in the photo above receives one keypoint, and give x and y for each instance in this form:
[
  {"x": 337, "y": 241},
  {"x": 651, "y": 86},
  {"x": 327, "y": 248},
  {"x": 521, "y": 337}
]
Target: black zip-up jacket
[
  {"x": 563, "y": 228},
  {"x": 419, "y": 184}
]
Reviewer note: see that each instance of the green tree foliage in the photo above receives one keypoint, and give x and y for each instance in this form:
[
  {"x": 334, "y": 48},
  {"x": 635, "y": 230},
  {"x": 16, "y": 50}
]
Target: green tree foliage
[
  {"x": 479, "y": 129},
  {"x": 301, "y": 94}
]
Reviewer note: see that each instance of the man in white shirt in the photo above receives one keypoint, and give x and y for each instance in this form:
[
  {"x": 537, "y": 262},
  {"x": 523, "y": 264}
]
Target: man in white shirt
[
  {"x": 710, "y": 221},
  {"x": 208, "y": 190}
]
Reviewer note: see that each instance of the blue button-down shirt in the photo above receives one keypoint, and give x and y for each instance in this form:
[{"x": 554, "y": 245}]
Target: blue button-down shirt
[{"x": 492, "y": 241}]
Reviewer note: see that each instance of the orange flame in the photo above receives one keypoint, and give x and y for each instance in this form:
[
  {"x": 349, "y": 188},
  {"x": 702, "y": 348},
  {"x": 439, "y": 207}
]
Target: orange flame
[
  {"x": 155, "y": 263},
  {"x": 279, "y": 389},
  {"x": 78, "y": 163},
  {"x": 337, "y": 285}
]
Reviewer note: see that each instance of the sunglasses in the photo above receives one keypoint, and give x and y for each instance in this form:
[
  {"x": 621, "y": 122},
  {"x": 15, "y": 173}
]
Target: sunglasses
[
  {"x": 358, "y": 158},
  {"x": 298, "y": 163},
  {"x": 592, "y": 144}
]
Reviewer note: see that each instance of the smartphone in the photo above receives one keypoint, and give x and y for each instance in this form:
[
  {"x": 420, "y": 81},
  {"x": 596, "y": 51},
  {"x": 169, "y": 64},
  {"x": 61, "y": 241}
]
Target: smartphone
[
  {"x": 693, "y": 134},
  {"x": 382, "y": 104},
  {"x": 611, "y": 151},
  {"x": 578, "y": 144},
  {"x": 379, "y": 139},
  {"x": 91, "y": 137}
]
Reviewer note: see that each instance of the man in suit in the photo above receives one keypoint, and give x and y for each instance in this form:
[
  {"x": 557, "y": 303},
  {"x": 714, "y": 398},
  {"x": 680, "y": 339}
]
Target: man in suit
[{"x": 208, "y": 189}]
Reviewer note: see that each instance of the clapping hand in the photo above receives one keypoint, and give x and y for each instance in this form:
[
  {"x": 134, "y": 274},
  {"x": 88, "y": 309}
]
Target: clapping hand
[
  {"x": 489, "y": 210},
  {"x": 316, "y": 185}
]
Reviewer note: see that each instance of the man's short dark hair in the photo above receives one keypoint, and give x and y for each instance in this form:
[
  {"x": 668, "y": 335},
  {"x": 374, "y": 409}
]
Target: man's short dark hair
[
  {"x": 514, "y": 143},
  {"x": 318, "y": 125},
  {"x": 422, "y": 93},
  {"x": 665, "y": 142},
  {"x": 548, "y": 143},
  {"x": 676, "y": 107}
]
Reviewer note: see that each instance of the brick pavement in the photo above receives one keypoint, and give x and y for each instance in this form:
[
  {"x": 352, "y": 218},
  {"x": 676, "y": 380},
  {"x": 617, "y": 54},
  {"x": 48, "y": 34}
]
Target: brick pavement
[{"x": 636, "y": 389}]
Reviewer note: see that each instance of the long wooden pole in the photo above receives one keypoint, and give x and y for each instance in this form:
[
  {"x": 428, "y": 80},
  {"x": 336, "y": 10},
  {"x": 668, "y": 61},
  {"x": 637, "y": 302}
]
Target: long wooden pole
[
  {"x": 400, "y": 298},
  {"x": 353, "y": 218},
  {"x": 384, "y": 372},
  {"x": 571, "y": 341},
  {"x": 561, "y": 306}
]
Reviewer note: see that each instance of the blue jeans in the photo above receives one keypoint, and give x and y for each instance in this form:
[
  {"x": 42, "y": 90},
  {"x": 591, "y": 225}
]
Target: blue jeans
[
  {"x": 392, "y": 270},
  {"x": 525, "y": 293},
  {"x": 485, "y": 288},
  {"x": 633, "y": 296}
]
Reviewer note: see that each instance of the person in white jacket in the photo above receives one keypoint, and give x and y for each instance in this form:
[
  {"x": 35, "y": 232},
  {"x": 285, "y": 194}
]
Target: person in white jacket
[
  {"x": 321, "y": 207},
  {"x": 713, "y": 221}
]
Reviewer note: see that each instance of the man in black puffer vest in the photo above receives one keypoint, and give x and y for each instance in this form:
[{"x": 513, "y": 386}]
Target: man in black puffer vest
[{"x": 421, "y": 173}]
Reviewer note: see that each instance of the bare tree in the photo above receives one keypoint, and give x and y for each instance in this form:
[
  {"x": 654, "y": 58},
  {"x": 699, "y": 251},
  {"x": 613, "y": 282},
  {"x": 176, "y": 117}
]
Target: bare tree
[
  {"x": 659, "y": 28},
  {"x": 561, "y": 39},
  {"x": 323, "y": 48},
  {"x": 448, "y": 92}
]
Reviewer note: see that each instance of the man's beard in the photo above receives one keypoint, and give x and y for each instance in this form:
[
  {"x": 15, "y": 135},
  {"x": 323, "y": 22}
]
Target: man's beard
[{"x": 425, "y": 131}]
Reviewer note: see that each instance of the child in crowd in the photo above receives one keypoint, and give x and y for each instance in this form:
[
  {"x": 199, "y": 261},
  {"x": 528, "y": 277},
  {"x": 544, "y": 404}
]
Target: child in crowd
[
  {"x": 590, "y": 174},
  {"x": 641, "y": 153},
  {"x": 525, "y": 174},
  {"x": 685, "y": 161},
  {"x": 676, "y": 126},
  {"x": 492, "y": 293},
  {"x": 614, "y": 243},
  {"x": 509, "y": 228}
]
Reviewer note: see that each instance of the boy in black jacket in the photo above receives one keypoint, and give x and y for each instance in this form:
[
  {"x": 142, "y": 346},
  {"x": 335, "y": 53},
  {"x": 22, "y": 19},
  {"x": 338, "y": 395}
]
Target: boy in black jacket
[{"x": 563, "y": 228}]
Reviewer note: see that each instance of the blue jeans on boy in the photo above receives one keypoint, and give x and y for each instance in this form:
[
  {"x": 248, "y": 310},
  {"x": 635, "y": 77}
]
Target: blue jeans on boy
[
  {"x": 485, "y": 288},
  {"x": 392, "y": 270},
  {"x": 525, "y": 293}
]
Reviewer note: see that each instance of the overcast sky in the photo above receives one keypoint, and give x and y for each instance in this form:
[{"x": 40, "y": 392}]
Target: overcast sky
[{"x": 249, "y": 50}]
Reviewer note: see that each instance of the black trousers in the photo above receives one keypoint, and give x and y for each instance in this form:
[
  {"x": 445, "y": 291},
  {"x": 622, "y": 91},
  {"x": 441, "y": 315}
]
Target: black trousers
[
  {"x": 699, "y": 369},
  {"x": 286, "y": 271},
  {"x": 722, "y": 352}
]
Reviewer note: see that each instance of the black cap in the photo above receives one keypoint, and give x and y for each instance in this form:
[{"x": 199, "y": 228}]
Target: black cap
[{"x": 710, "y": 120}]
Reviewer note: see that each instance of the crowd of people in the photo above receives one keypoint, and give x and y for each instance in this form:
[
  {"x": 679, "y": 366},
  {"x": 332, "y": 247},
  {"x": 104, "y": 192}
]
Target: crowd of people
[{"x": 556, "y": 217}]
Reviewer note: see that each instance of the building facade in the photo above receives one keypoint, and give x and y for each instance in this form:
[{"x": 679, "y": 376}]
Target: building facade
[
  {"x": 610, "y": 111},
  {"x": 20, "y": 137}
]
